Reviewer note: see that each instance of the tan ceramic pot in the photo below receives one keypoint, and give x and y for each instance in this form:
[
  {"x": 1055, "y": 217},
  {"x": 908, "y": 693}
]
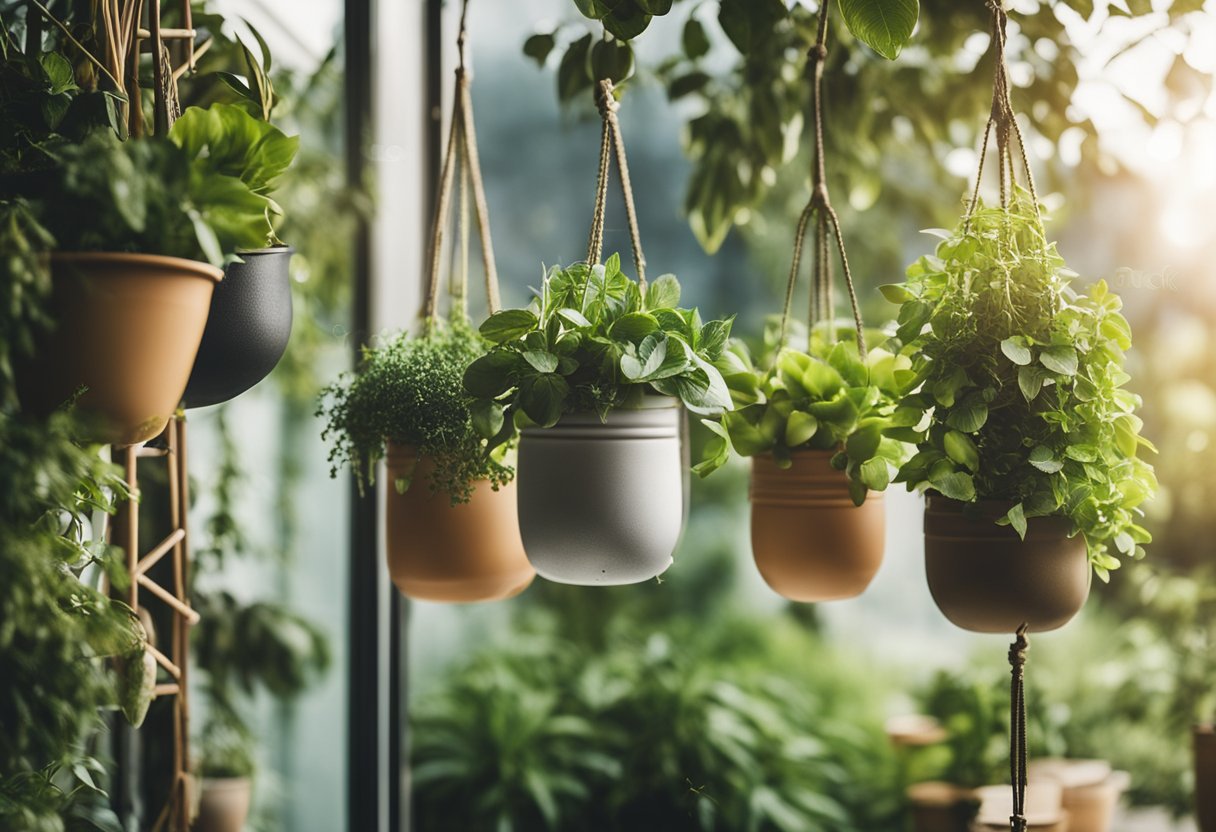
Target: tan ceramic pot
[
  {"x": 987, "y": 580},
  {"x": 1091, "y": 790},
  {"x": 441, "y": 552},
  {"x": 809, "y": 541},
  {"x": 941, "y": 807},
  {"x": 1205, "y": 777},
  {"x": 224, "y": 804},
  {"x": 127, "y": 327},
  {"x": 1044, "y": 808}
]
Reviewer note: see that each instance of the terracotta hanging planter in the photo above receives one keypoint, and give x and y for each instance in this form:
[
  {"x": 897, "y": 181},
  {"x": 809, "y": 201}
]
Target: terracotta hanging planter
[
  {"x": 127, "y": 327},
  {"x": 455, "y": 553},
  {"x": 810, "y": 542},
  {"x": 986, "y": 579},
  {"x": 247, "y": 330},
  {"x": 601, "y": 503},
  {"x": 224, "y": 804},
  {"x": 1205, "y": 777}
]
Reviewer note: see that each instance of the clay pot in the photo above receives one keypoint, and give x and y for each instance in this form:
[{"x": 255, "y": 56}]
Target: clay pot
[
  {"x": 1091, "y": 790},
  {"x": 941, "y": 807},
  {"x": 454, "y": 553},
  {"x": 1044, "y": 807},
  {"x": 809, "y": 541},
  {"x": 247, "y": 330},
  {"x": 985, "y": 579},
  {"x": 1205, "y": 777},
  {"x": 224, "y": 804},
  {"x": 127, "y": 327},
  {"x": 601, "y": 503}
]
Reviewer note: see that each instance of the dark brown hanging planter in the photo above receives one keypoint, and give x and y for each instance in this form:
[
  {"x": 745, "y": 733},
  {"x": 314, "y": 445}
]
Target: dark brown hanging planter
[
  {"x": 810, "y": 542},
  {"x": 247, "y": 330},
  {"x": 455, "y": 553},
  {"x": 127, "y": 328},
  {"x": 986, "y": 579},
  {"x": 1205, "y": 777}
]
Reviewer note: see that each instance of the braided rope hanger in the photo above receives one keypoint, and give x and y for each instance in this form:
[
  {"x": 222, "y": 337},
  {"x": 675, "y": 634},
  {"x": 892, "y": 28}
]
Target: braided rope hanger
[
  {"x": 461, "y": 152},
  {"x": 613, "y": 143},
  {"x": 827, "y": 223}
]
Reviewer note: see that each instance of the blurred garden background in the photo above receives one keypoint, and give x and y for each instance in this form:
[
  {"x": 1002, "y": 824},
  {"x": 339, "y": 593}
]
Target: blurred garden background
[{"x": 702, "y": 700}]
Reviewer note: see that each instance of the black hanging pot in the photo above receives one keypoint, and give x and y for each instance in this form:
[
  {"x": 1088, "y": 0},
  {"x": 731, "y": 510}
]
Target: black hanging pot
[{"x": 247, "y": 330}]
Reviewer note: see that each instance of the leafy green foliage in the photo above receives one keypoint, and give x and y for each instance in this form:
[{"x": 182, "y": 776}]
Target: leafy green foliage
[
  {"x": 825, "y": 399},
  {"x": 883, "y": 25},
  {"x": 1020, "y": 384},
  {"x": 409, "y": 391},
  {"x": 593, "y": 341}
]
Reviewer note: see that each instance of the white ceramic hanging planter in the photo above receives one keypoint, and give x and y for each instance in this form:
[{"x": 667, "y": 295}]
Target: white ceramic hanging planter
[{"x": 602, "y": 503}]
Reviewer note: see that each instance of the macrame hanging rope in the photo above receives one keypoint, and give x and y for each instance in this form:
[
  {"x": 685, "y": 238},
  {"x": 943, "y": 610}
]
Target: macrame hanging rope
[
  {"x": 827, "y": 223},
  {"x": 1003, "y": 123},
  {"x": 461, "y": 156},
  {"x": 612, "y": 143},
  {"x": 1017, "y": 729}
]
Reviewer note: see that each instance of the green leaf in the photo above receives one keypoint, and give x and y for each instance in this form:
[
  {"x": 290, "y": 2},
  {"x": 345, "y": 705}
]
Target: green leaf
[
  {"x": 694, "y": 39},
  {"x": 955, "y": 484},
  {"x": 573, "y": 76},
  {"x": 875, "y": 474},
  {"x": 633, "y": 327},
  {"x": 744, "y": 436},
  {"x": 1030, "y": 381},
  {"x": 573, "y": 317},
  {"x": 611, "y": 60},
  {"x": 58, "y": 69},
  {"x": 487, "y": 417},
  {"x": 492, "y": 374},
  {"x": 883, "y": 25},
  {"x": 508, "y": 325},
  {"x": 541, "y": 361},
  {"x": 962, "y": 449},
  {"x": 1042, "y": 458},
  {"x": 1060, "y": 358},
  {"x": 896, "y": 293},
  {"x": 663, "y": 293},
  {"x": 542, "y": 398},
  {"x": 799, "y": 428},
  {"x": 969, "y": 416},
  {"x": 1016, "y": 517},
  {"x": 539, "y": 46},
  {"x": 1016, "y": 350},
  {"x": 655, "y": 7},
  {"x": 863, "y": 444},
  {"x": 626, "y": 21}
]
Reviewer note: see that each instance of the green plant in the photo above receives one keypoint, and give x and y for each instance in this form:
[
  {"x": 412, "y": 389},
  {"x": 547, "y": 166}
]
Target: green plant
[
  {"x": 1019, "y": 384},
  {"x": 593, "y": 340},
  {"x": 225, "y": 749},
  {"x": 409, "y": 392},
  {"x": 827, "y": 398}
]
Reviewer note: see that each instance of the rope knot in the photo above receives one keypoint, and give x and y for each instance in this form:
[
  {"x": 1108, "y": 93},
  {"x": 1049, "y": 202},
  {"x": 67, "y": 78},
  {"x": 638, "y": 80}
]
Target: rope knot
[
  {"x": 605, "y": 101},
  {"x": 1017, "y": 651},
  {"x": 818, "y": 53},
  {"x": 1017, "y": 823}
]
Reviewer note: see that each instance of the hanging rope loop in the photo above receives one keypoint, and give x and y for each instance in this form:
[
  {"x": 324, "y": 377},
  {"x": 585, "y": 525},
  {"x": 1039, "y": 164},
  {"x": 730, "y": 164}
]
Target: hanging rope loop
[
  {"x": 460, "y": 156},
  {"x": 612, "y": 144},
  {"x": 1017, "y": 728},
  {"x": 827, "y": 225}
]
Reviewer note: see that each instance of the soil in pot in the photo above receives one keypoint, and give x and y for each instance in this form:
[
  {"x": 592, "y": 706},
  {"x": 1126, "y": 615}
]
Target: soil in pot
[
  {"x": 454, "y": 553},
  {"x": 224, "y": 804},
  {"x": 601, "y": 502},
  {"x": 984, "y": 578},
  {"x": 247, "y": 330},
  {"x": 127, "y": 328},
  {"x": 810, "y": 542},
  {"x": 1205, "y": 777}
]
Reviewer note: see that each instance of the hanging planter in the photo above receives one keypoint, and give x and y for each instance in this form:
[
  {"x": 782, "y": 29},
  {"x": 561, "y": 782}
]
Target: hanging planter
[
  {"x": 451, "y": 526},
  {"x": 1205, "y": 777},
  {"x": 128, "y": 327},
  {"x": 593, "y": 375},
  {"x": 989, "y": 579},
  {"x": 247, "y": 330},
  {"x": 810, "y": 542},
  {"x": 452, "y": 552},
  {"x": 820, "y": 422}
]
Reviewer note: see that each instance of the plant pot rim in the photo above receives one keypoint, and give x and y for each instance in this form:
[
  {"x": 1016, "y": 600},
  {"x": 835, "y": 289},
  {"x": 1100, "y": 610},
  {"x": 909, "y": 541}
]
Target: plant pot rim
[
  {"x": 279, "y": 249},
  {"x": 196, "y": 268},
  {"x": 1205, "y": 728}
]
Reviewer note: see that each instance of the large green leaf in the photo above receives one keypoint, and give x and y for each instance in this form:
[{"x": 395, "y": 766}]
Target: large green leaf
[{"x": 883, "y": 25}]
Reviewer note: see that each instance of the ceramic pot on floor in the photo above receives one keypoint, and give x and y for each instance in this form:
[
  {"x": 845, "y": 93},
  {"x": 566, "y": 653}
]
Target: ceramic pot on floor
[
  {"x": 455, "y": 553},
  {"x": 984, "y": 578},
  {"x": 941, "y": 807},
  {"x": 1205, "y": 777},
  {"x": 1091, "y": 790},
  {"x": 809, "y": 541},
  {"x": 1044, "y": 808},
  {"x": 224, "y": 804},
  {"x": 602, "y": 503},
  {"x": 127, "y": 328},
  {"x": 247, "y": 330}
]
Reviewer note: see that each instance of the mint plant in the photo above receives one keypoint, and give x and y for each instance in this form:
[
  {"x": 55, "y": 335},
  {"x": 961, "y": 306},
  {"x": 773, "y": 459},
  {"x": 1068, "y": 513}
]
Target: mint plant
[
  {"x": 593, "y": 340},
  {"x": 827, "y": 398},
  {"x": 1019, "y": 384}
]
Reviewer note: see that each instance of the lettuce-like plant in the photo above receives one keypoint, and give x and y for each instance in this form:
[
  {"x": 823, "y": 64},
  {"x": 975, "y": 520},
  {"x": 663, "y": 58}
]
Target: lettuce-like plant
[
  {"x": 827, "y": 398},
  {"x": 593, "y": 340},
  {"x": 1020, "y": 384}
]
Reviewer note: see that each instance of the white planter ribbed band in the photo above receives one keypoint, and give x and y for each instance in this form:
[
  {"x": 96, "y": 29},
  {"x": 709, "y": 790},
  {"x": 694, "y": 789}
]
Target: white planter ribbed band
[{"x": 603, "y": 503}]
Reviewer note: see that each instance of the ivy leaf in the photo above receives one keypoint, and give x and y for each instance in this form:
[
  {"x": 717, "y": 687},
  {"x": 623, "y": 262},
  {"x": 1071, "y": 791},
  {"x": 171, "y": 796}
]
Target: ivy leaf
[
  {"x": 508, "y": 325},
  {"x": 663, "y": 293},
  {"x": 633, "y": 327},
  {"x": 956, "y": 485},
  {"x": 1030, "y": 381},
  {"x": 969, "y": 416},
  {"x": 883, "y": 25},
  {"x": 611, "y": 60},
  {"x": 962, "y": 450},
  {"x": 1060, "y": 358},
  {"x": 1016, "y": 517},
  {"x": 1017, "y": 351},
  {"x": 1042, "y": 458}
]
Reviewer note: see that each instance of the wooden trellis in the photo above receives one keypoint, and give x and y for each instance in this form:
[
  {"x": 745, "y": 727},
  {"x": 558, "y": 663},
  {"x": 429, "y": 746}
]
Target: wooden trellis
[{"x": 174, "y": 661}]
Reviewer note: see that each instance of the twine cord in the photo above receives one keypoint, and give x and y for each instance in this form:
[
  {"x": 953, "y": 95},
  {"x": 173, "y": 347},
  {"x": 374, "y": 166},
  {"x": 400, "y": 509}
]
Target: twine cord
[
  {"x": 1017, "y": 728},
  {"x": 827, "y": 225},
  {"x": 612, "y": 144}
]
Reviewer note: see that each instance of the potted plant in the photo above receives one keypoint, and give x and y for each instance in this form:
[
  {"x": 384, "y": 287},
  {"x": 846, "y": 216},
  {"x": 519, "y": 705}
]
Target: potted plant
[
  {"x": 594, "y": 375},
  {"x": 250, "y": 319},
  {"x": 450, "y": 509},
  {"x": 1027, "y": 443},
  {"x": 815, "y": 423},
  {"x": 226, "y": 768}
]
